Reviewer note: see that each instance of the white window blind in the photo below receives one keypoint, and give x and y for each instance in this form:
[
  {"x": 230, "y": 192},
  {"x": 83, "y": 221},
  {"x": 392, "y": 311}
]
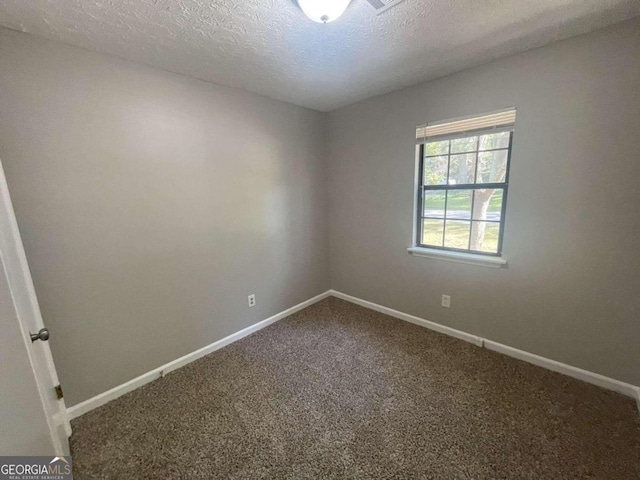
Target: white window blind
[{"x": 456, "y": 128}]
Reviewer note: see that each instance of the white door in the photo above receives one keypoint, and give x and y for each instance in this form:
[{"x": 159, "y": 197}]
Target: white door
[{"x": 33, "y": 421}]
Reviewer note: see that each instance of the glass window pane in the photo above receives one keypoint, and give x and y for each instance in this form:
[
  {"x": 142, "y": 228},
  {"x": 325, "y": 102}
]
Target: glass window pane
[
  {"x": 456, "y": 234},
  {"x": 459, "y": 204},
  {"x": 433, "y": 203},
  {"x": 494, "y": 140},
  {"x": 492, "y": 166},
  {"x": 435, "y": 170},
  {"x": 487, "y": 204},
  {"x": 484, "y": 237},
  {"x": 462, "y": 169},
  {"x": 436, "y": 148},
  {"x": 432, "y": 232},
  {"x": 463, "y": 145}
]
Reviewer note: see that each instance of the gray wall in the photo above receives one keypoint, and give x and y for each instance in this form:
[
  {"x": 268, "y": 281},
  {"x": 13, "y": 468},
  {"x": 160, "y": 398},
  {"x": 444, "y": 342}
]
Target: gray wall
[
  {"x": 571, "y": 290},
  {"x": 152, "y": 204}
]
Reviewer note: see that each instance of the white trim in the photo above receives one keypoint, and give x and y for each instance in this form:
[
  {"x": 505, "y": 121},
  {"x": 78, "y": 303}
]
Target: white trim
[
  {"x": 627, "y": 389},
  {"x": 16, "y": 269},
  {"x": 416, "y": 191},
  {"x": 569, "y": 370},
  {"x": 452, "y": 332},
  {"x": 62, "y": 420},
  {"x": 458, "y": 257},
  {"x": 584, "y": 375},
  {"x": 81, "y": 408}
]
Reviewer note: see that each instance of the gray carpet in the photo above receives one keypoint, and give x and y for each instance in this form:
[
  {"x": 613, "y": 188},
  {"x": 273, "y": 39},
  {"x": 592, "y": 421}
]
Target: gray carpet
[{"x": 339, "y": 391}]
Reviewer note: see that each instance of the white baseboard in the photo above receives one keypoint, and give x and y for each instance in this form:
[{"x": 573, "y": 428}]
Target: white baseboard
[
  {"x": 99, "y": 400},
  {"x": 578, "y": 373},
  {"x": 452, "y": 332},
  {"x": 571, "y": 371}
]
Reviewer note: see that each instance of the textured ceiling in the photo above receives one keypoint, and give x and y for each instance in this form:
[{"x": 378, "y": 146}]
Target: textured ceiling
[{"x": 270, "y": 47}]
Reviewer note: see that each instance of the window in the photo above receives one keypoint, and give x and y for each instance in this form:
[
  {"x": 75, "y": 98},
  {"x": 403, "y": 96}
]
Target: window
[{"x": 463, "y": 183}]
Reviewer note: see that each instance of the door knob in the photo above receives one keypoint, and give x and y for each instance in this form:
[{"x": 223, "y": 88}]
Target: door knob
[{"x": 43, "y": 335}]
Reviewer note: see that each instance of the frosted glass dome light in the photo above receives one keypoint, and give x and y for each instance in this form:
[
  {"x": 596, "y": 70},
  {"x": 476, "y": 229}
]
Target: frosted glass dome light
[{"x": 323, "y": 11}]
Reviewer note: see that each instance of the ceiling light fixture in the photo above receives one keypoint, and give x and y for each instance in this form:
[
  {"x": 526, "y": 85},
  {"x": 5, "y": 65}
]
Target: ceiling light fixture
[{"x": 323, "y": 11}]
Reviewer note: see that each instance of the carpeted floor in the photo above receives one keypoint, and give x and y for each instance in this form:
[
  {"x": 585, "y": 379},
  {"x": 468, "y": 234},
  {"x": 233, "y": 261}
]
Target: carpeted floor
[{"x": 339, "y": 391}]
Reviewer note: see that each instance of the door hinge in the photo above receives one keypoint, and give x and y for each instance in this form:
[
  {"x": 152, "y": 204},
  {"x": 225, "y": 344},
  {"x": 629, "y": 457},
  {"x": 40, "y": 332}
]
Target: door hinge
[{"x": 59, "y": 394}]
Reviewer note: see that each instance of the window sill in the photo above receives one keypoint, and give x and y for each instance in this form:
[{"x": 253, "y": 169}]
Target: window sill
[{"x": 458, "y": 257}]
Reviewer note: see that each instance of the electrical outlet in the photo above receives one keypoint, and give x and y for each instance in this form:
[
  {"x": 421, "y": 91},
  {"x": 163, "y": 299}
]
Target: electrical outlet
[
  {"x": 446, "y": 301},
  {"x": 252, "y": 300}
]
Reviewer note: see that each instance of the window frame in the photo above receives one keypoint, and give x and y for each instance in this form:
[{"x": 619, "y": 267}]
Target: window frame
[{"x": 422, "y": 188}]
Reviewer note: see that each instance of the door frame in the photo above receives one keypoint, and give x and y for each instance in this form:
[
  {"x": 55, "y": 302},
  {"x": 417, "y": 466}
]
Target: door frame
[{"x": 23, "y": 292}]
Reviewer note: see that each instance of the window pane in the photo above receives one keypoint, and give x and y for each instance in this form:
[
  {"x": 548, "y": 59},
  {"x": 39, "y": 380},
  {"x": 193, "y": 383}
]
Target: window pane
[
  {"x": 484, "y": 236},
  {"x": 494, "y": 140},
  {"x": 432, "y": 232},
  {"x": 434, "y": 203},
  {"x": 436, "y": 148},
  {"x": 459, "y": 204},
  {"x": 463, "y": 145},
  {"x": 462, "y": 169},
  {"x": 435, "y": 170},
  {"x": 456, "y": 234},
  {"x": 492, "y": 166},
  {"x": 487, "y": 204}
]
